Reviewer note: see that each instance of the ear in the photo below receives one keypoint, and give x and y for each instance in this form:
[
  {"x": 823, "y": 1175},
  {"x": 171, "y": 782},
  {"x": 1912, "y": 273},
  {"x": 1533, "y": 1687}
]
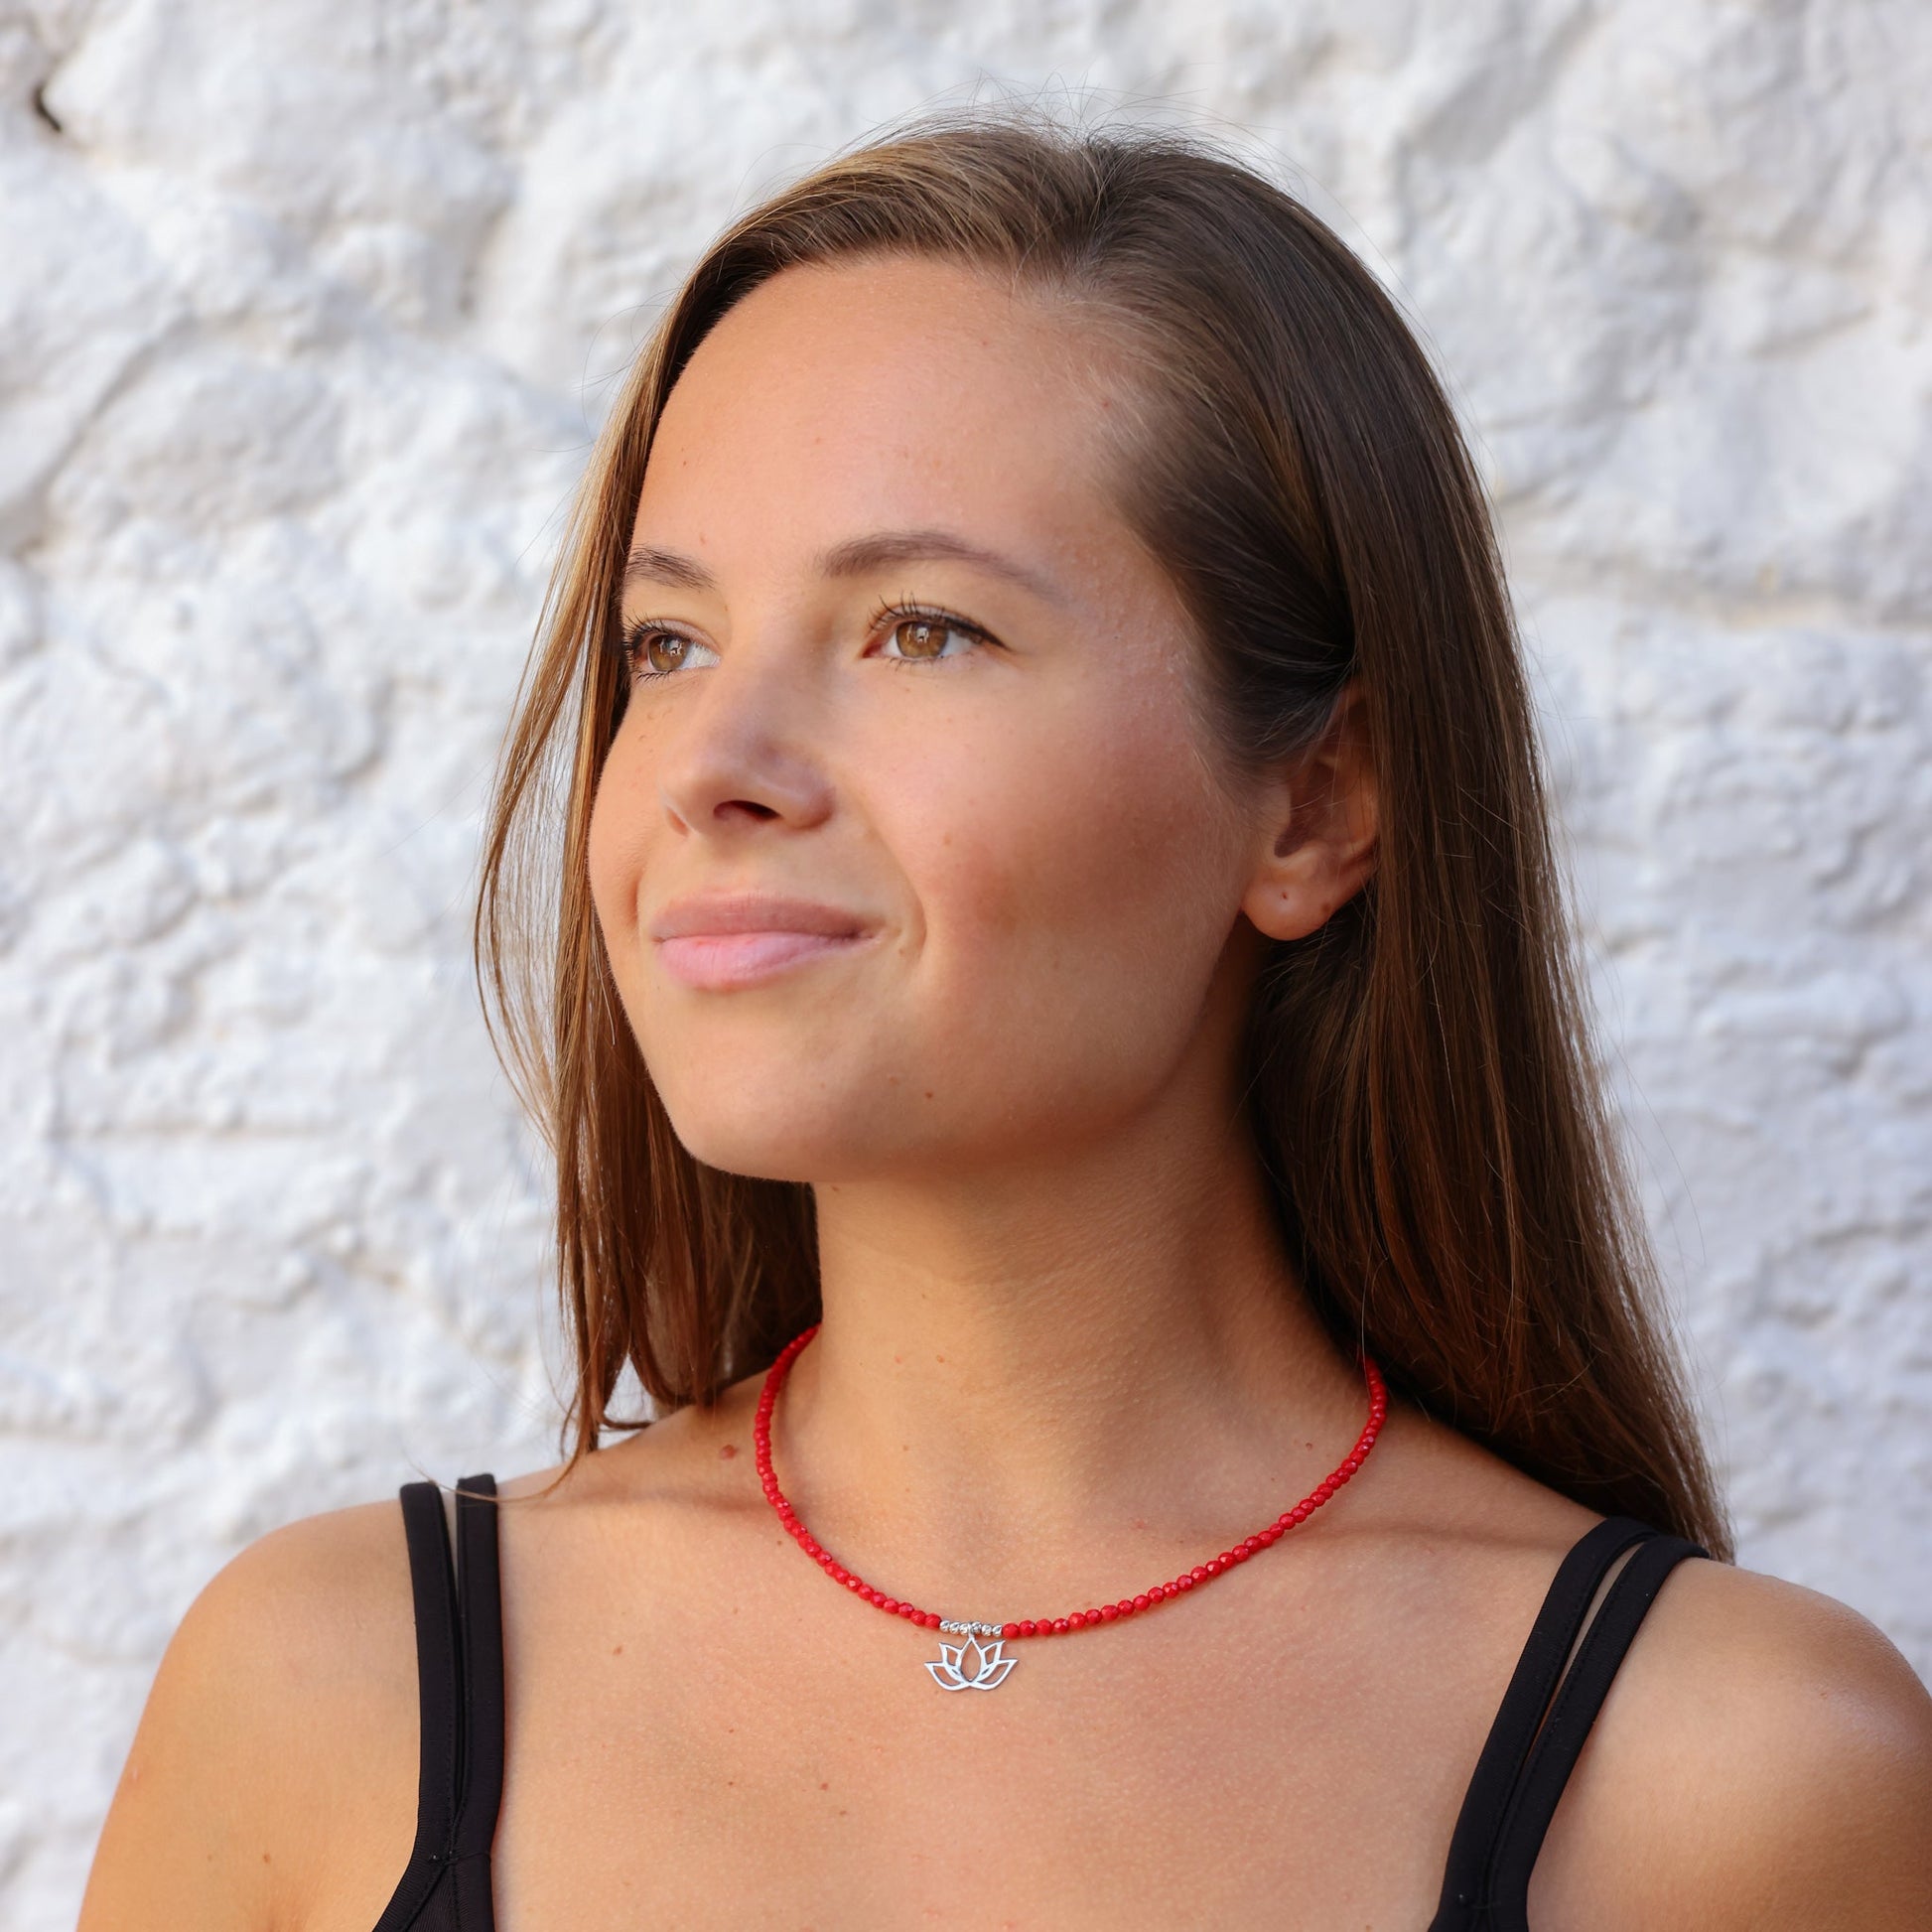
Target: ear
[{"x": 1315, "y": 828}]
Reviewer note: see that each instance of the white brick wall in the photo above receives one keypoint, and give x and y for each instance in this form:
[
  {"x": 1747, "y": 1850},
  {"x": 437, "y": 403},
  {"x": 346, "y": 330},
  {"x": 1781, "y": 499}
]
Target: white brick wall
[{"x": 306, "y": 306}]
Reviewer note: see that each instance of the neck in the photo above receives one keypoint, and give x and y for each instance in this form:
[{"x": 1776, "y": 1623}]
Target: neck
[{"x": 1114, "y": 1346}]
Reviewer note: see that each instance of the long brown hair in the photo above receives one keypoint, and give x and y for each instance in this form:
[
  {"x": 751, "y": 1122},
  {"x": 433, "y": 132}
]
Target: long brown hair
[{"x": 1422, "y": 1093}]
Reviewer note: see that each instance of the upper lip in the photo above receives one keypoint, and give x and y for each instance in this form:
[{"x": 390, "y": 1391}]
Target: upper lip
[{"x": 708, "y": 912}]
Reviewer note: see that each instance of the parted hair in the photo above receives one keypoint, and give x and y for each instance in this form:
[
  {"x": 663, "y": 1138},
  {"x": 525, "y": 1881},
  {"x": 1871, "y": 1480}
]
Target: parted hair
[{"x": 1420, "y": 1086}]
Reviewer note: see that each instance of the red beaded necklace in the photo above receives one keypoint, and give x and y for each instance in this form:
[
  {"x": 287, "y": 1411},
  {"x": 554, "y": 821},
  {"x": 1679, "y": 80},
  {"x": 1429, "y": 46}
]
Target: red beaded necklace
[{"x": 989, "y": 1664}]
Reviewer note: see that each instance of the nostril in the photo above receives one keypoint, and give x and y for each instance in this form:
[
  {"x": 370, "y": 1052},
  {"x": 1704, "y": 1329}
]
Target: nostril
[{"x": 748, "y": 807}]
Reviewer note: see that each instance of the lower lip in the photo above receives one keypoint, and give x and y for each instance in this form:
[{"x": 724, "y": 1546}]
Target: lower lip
[{"x": 716, "y": 962}]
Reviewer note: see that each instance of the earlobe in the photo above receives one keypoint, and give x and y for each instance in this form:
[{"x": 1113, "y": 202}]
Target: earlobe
[{"x": 1296, "y": 908}]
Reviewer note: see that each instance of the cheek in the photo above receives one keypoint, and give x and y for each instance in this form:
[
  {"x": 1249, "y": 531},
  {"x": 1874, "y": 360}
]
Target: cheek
[{"x": 1078, "y": 899}]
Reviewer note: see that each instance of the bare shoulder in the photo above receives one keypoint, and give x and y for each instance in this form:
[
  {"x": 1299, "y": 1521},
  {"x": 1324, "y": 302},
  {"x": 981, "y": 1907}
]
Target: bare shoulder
[
  {"x": 1764, "y": 1759},
  {"x": 272, "y": 1779}
]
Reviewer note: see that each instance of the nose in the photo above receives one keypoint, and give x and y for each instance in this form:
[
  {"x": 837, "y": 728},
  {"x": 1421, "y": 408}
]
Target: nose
[{"x": 740, "y": 752}]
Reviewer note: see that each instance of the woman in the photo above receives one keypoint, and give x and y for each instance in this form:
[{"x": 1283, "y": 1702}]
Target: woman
[{"x": 1055, "y": 891}]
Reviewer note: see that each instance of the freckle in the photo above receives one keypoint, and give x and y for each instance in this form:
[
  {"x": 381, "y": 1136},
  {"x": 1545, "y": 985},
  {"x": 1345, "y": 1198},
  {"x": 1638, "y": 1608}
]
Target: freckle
[
  {"x": 938, "y": 1358},
  {"x": 928, "y": 1093},
  {"x": 726, "y": 1453},
  {"x": 619, "y": 1651},
  {"x": 265, "y": 1858},
  {"x": 825, "y": 1787}
]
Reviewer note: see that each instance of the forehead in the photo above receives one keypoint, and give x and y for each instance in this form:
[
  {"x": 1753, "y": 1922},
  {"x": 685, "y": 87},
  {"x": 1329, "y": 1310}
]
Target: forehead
[{"x": 888, "y": 393}]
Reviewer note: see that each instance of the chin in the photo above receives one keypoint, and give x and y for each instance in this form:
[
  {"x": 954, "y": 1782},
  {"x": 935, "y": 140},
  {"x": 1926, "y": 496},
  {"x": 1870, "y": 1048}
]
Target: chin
[{"x": 767, "y": 1129}]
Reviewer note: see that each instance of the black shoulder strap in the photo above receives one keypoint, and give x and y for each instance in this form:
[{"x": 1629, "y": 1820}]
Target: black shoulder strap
[
  {"x": 1561, "y": 1740},
  {"x": 460, "y": 1696},
  {"x": 1520, "y": 1776},
  {"x": 480, "y": 1613},
  {"x": 439, "y": 1690}
]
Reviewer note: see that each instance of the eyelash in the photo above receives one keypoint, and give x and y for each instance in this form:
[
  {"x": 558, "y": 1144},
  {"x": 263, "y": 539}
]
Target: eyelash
[{"x": 631, "y": 645}]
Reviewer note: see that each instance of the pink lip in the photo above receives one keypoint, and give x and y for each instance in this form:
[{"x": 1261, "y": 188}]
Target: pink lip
[{"x": 731, "y": 940}]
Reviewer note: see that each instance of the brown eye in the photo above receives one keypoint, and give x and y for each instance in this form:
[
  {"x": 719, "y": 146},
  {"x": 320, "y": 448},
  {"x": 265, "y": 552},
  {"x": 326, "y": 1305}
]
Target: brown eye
[
  {"x": 657, "y": 653},
  {"x": 921, "y": 639}
]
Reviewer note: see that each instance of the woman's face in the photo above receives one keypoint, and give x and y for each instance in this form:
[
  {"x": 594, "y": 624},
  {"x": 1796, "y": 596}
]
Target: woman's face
[{"x": 910, "y": 855}]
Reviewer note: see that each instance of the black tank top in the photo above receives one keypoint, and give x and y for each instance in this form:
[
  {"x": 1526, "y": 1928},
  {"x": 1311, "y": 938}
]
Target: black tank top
[{"x": 1540, "y": 1728}]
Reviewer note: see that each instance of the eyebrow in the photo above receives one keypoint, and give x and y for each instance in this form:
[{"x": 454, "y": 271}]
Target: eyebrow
[{"x": 855, "y": 557}]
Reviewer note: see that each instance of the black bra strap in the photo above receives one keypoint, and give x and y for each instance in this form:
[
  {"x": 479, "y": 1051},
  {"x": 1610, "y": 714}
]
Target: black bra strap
[
  {"x": 481, "y": 1608},
  {"x": 460, "y": 1691},
  {"x": 438, "y": 1680},
  {"x": 1520, "y": 1776},
  {"x": 1568, "y": 1726},
  {"x": 1466, "y": 1877}
]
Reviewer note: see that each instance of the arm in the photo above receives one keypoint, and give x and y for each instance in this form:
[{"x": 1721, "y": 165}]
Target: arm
[{"x": 272, "y": 1780}]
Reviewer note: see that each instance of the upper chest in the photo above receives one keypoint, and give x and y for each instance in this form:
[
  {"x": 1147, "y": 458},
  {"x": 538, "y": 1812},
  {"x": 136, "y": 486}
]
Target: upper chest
[
  {"x": 741, "y": 1743},
  {"x": 702, "y": 1731}
]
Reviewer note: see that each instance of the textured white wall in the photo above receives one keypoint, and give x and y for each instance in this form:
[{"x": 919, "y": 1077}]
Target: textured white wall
[{"x": 306, "y": 306}]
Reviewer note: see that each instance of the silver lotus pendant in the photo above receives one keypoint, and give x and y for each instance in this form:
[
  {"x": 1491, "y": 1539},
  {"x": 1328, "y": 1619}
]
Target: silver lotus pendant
[{"x": 971, "y": 1666}]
